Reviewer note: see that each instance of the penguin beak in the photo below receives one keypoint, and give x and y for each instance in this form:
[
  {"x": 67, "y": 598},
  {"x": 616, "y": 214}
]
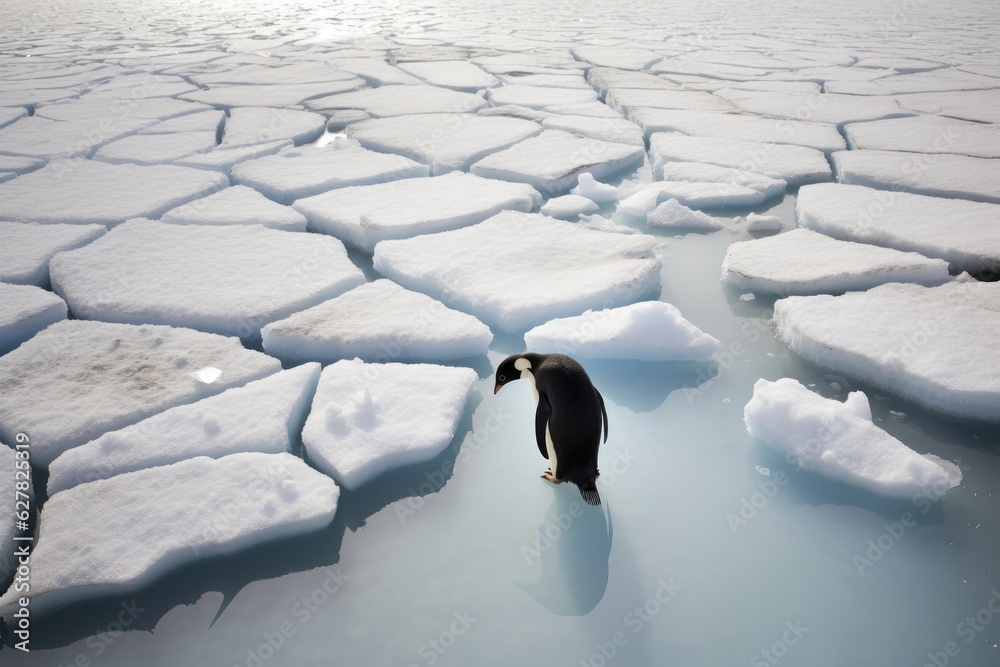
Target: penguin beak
[{"x": 496, "y": 389}]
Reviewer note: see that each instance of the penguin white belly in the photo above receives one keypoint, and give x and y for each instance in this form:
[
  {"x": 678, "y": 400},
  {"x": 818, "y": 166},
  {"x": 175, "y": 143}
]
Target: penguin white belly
[{"x": 551, "y": 449}]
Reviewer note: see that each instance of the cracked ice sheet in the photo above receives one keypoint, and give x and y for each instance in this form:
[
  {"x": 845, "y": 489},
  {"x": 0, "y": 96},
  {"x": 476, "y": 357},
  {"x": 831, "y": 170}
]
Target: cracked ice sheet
[
  {"x": 270, "y": 95},
  {"x": 925, "y": 344},
  {"x": 927, "y": 134},
  {"x": 216, "y": 426},
  {"x": 537, "y": 97},
  {"x": 805, "y": 262},
  {"x": 228, "y": 279},
  {"x": 24, "y": 311},
  {"x": 28, "y": 247},
  {"x": 517, "y": 270},
  {"x": 629, "y": 99},
  {"x": 89, "y": 191},
  {"x": 10, "y": 475},
  {"x": 455, "y": 74},
  {"x": 363, "y": 215},
  {"x": 156, "y": 148},
  {"x": 237, "y": 205},
  {"x": 933, "y": 174},
  {"x": 367, "y": 419},
  {"x": 117, "y": 535},
  {"x": 821, "y": 107},
  {"x": 962, "y": 232},
  {"x": 258, "y": 125},
  {"x": 76, "y": 379},
  {"x": 400, "y": 100}
]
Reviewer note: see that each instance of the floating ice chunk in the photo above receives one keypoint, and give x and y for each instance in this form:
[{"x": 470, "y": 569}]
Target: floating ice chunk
[
  {"x": 75, "y": 379},
  {"x": 802, "y": 261},
  {"x": 215, "y": 427},
  {"x": 9, "y": 115},
  {"x": 763, "y": 223},
  {"x": 553, "y": 160},
  {"x": 378, "y": 321},
  {"x": 693, "y": 194},
  {"x": 537, "y": 97},
  {"x": 156, "y": 148},
  {"x": 821, "y": 107},
  {"x": 602, "y": 224},
  {"x": 839, "y": 441},
  {"x": 456, "y": 74},
  {"x": 309, "y": 170},
  {"x": 223, "y": 159},
  {"x": 24, "y": 311},
  {"x": 607, "y": 129},
  {"x": 400, "y": 100},
  {"x": 28, "y": 247},
  {"x": 117, "y": 535},
  {"x": 794, "y": 164},
  {"x": 587, "y": 186},
  {"x": 238, "y": 205},
  {"x": 590, "y": 109},
  {"x": 648, "y": 331},
  {"x": 923, "y": 343},
  {"x": 936, "y": 174},
  {"x": 90, "y": 191},
  {"x": 517, "y": 270},
  {"x": 10, "y": 475},
  {"x": 445, "y": 141},
  {"x": 569, "y": 207},
  {"x": 367, "y": 419},
  {"x": 627, "y": 99},
  {"x": 671, "y": 214},
  {"x": 961, "y": 232},
  {"x": 202, "y": 121},
  {"x": 620, "y": 57},
  {"x": 821, "y": 136},
  {"x": 231, "y": 279},
  {"x": 271, "y": 95},
  {"x": 363, "y": 215},
  {"x": 700, "y": 171},
  {"x": 927, "y": 134},
  {"x": 258, "y": 125}
]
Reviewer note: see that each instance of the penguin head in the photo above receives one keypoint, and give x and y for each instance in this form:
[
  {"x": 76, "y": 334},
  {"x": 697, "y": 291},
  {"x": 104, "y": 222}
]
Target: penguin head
[{"x": 515, "y": 367}]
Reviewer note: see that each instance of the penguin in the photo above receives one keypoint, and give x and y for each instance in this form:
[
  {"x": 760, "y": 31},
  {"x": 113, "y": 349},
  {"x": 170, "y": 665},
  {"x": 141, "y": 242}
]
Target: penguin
[{"x": 569, "y": 416}]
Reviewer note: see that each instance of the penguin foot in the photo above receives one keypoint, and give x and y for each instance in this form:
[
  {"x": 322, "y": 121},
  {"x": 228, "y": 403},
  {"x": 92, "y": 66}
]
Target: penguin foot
[{"x": 550, "y": 476}]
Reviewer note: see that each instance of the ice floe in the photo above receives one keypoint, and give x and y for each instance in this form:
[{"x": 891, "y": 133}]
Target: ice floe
[
  {"x": 238, "y": 205},
  {"x": 589, "y": 187},
  {"x": 671, "y": 214},
  {"x": 367, "y": 418},
  {"x": 621, "y": 57},
  {"x": 537, "y": 97},
  {"x": 455, "y": 74},
  {"x": 378, "y": 321},
  {"x": 568, "y": 207},
  {"x": 934, "y": 174},
  {"x": 216, "y": 426},
  {"x": 76, "y": 379},
  {"x": 627, "y": 99},
  {"x": 821, "y": 107},
  {"x": 603, "y": 78},
  {"x": 363, "y": 215},
  {"x": 223, "y": 159},
  {"x": 24, "y": 311},
  {"x": 693, "y": 194},
  {"x": 700, "y": 171},
  {"x": 617, "y": 130},
  {"x": 763, "y": 223},
  {"x": 517, "y": 270},
  {"x": 117, "y": 535},
  {"x": 200, "y": 121},
  {"x": 927, "y": 134},
  {"x": 259, "y": 125},
  {"x": 839, "y": 441},
  {"x": 28, "y": 247},
  {"x": 925, "y": 344},
  {"x": 156, "y": 148},
  {"x": 400, "y": 100},
  {"x": 648, "y": 331},
  {"x": 271, "y": 95}
]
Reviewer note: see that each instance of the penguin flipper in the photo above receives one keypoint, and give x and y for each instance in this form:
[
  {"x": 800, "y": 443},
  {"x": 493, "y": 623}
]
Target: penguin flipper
[
  {"x": 542, "y": 414},
  {"x": 589, "y": 492},
  {"x": 604, "y": 413}
]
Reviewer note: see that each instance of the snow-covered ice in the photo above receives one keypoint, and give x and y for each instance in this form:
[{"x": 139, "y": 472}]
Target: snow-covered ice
[
  {"x": 259, "y": 125},
  {"x": 538, "y": 97},
  {"x": 27, "y": 248},
  {"x": 228, "y": 279},
  {"x": 223, "y": 158},
  {"x": 309, "y": 170},
  {"x": 671, "y": 214},
  {"x": 622, "y": 57},
  {"x": 24, "y": 311},
  {"x": 693, "y": 194},
  {"x": 117, "y": 535},
  {"x": 821, "y": 107},
  {"x": 701, "y": 171},
  {"x": 367, "y": 418},
  {"x": 589, "y": 187},
  {"x": 618, "y": 130},
  {"x": 76, "y": 379},
  {"x": 156, "y": 148},
  {"x": 925, "y": 344},
  {"x": 517, "y": 270},
  {"x": 216, "y": 426},
  {"x": 962, "y": 232},
  {"x": 201, "y": 121},
  {"x": 627, "y": 99},
  {"x": 378, "y": 321},
  {"x": 937, "y": 174},
  {"x": 271, "y": 95},
  {"x": 757, "y": 222},
  {"x": 840, "y": 441},
  {"x": 802, "y": 261},
  {"x": 238, "y": 205},
  {"x": 400, "y": 100},
  {"x": 455, "y": 74},
  {"x": 12, "y": 471},
  {"x": 648, "y": 331},
  {"x": 927, "y": 134},
  {"x": 568, "y": 207}
]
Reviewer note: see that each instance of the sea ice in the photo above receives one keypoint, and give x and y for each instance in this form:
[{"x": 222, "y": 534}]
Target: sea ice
[
  {"x": 19, "y": 164},
  {"x": 238, "y": 205},
  {"x": 445, "y": 141},
  {"x": 587, "y": 186},
  {"x": 553, "y": 160},
  {"x": 259, "y": 125},
  {"x": 24, "y": 311},
  {"x": 927, "y": 134},
  {"x": 28, "y": 247},
  {"x": 821, "y": 107},
  {"x": 76, "y": 379},
  {"x": 839, "y": 441},
  {"x": 924, "y": 343},
  {"x": 309, "y": 170},
  {"x": 934, "y": 174},
  {"x": 617, "y": 130},
  {"x": 376, "y": 71},
  {"x": 367, "y": 419},
  {"x": 701, "y": 171},
  {"x": 12, "y": 471},
  {"x": 377, "y": 321},
  {"x": 648, "y": 331},
  {"x": 568, "y": 207},
  {"x": 363, "y": 215},
  {"x": 802, "y": 261},
  {"x": 620, "y": 57},
  {"x": 117, "y": 535},
  {"x": 8, "y": 115},
  {"x": 763, "y": 223},
  {"x": 604, "y": 78},
  {"x": 201, "y": 121},
  {"x": 455, "y": 74},
  {"x": 517, "y": 270},
  {"x": 216, "y": 426},
  {"x": 671, "y": 214},
  {"x": 156, "y": 148},
  {"x": 400, "y": 100},
  {"x": 693, "y": 194},
  {"x": 536, "y": 97},
  {"x": 228, "y": 279},
  {"x": 271, "y": 95},
  {"x": 975, "y": 105},
  {"x": 590, "y": 109},
  {"x": 962, "y": 232},
  {"x": 223, "y": 159},
  {"x": 628, "y": 99}
]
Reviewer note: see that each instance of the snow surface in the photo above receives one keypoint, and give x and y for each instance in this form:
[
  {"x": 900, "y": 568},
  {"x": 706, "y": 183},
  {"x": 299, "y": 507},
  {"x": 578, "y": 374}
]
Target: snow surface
[
  {"x": 671, "y": 214},
  {"x": 215, "y": 427},
  {"x": 629, "y": 99},
  {"x": 455, "y": 74},
  {"x": 568, "y": 207},
  {"x": 10, "y": 475},
  {"x": 24, "y": 311},
  {"x": 367, "y": 419},
  {"x": 700, "y": 171},
  {"x": 821, "y": 107},
  {"x": 156, "y": 148},
  {"x": 693, "y": 194},
  {"x": 238, "y": 205},
  {"x": 516, "y": 270},
  {"x": 937, "y": 175},
  {"x": 589, "y": 187},
  {"x": 618, "y": 130},
  {"x": 538, "y": 97},
  {"x": 260, "y": 125},
  {"x": 228, "y": 279},
  {"x": 271, "y": 95},
  {"x": 397, "y": 101},
  {"x": 927, "y": 134},
  {"x": 802, "y": 261},
  {"x": 763, "y": 223},
  {"x": 377, "y": 321},
  {"x": 363, "y": 215},
  {"x": 76, "y": 379},
  {"x": 28, "y": 247},
  {"x": 201, "y": 121},
  {"x": 839, "y": 441},
  {"x": 648, "y": 331},
  {"x": 223, "y": 159},
  {"x": 117, "y": 535},
  {"x": 925, "y": 344}
]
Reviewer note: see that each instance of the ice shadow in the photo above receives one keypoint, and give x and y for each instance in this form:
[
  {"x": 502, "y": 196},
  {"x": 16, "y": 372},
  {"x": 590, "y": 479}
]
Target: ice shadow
[{"x": 643, "y": 386}]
